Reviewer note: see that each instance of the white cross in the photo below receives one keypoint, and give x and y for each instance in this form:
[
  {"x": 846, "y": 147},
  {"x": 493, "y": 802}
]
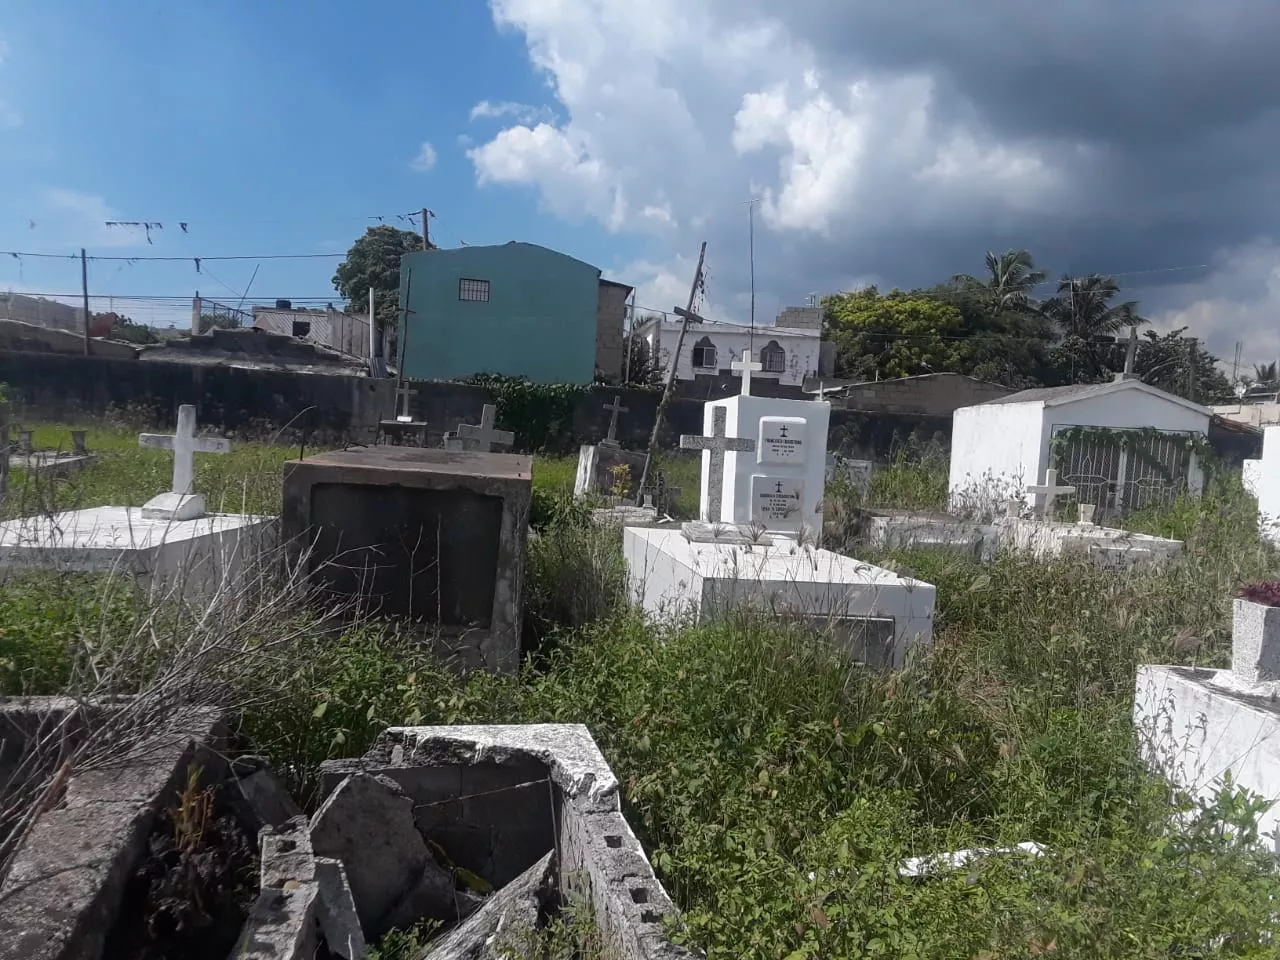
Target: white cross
[
  {"x": 716, "y": 444},
  {"x": 403, "y": 393},
  {"x": 746, "y": 367},
  {"x": 1050, "y": 489},
  {"x": 184, "y": 443},
  {"x": 484, "y": 434},
  {"x": 617, "y": 408}
]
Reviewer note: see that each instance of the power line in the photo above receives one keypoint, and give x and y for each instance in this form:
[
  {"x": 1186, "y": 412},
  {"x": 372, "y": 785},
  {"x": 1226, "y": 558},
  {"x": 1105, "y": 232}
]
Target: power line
[{"x": 269, "y": 256}]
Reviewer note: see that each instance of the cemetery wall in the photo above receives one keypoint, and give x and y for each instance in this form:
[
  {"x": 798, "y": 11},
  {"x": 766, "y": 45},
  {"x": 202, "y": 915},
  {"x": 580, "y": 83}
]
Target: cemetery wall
[{"x": 241, "y": 400}]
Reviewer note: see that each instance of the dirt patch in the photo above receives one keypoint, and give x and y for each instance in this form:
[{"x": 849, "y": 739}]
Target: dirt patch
[{"x": 192, "y": 890}]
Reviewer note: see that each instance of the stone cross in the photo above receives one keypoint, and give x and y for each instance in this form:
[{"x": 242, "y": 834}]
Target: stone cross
[
  {"x": 403, "y": 393},
  {"x": 746, "y": 368},
  {"x": 1051, "y": 490},
  {"x": 181, "y": 503},
  {"x": 617, "y": 408},
  {"x": 485, "y": 435},
  {"x": 717, "y": 444}
]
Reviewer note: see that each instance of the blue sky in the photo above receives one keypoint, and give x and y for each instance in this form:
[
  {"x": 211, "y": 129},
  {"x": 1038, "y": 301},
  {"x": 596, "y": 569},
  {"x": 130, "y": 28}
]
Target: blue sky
[
  {"x": 887, "y": 143},
  {"x": 267, "y": 128}
]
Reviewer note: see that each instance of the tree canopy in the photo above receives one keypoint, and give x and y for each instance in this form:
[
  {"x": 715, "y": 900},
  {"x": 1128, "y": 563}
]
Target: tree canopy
[
  {"x": 993, "y": 326},
  {"x": 374, "y": 260}
]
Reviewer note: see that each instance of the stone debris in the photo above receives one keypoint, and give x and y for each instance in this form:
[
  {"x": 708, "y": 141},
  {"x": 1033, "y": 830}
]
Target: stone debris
[
  {"x": 505, "y": 922},
  {"x": 367, "y": 824},
  {"x": 283, "y": 922},
  {"x": 339, "y": 923},
  {"x": 266, "y": 796}
]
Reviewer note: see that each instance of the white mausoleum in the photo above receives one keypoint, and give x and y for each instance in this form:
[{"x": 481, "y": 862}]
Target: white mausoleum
[
  {"x": 787, "y": 351},
  {"x": 1001, "y": 446}
]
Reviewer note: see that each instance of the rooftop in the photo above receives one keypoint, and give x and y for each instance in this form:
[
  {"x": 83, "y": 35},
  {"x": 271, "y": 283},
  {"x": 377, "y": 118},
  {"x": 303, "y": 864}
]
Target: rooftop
[{"x": 1052, "y": 396}]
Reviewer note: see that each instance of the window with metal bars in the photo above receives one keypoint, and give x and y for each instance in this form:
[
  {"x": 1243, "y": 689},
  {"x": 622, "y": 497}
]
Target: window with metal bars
[{"x": 473, "y": 290}]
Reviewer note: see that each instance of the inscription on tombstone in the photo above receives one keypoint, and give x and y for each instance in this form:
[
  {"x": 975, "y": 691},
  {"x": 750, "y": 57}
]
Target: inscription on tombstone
[
  {"x": 781, "y": 440},
  {"x": 775, "y": 501}
]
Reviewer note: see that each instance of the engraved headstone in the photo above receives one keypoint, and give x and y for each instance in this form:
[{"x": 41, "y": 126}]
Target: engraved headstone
[
  {"x": 776, "y": 501},
  {"x": 782, "y": 440}
]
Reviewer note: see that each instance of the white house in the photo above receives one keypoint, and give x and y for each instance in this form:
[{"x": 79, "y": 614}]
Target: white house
[
  {"x": 1123, "y": 445},
  {"x": 789, "y": 350}
]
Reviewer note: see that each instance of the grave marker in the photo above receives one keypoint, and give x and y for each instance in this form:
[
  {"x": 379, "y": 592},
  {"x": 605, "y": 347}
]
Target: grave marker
[
  {"x": 1049, "y": 490},
  {"x": 716, "y": 444},
  {"x": 611, "y": 438},
  {"x": 403, "y": 393},
  {"x": 180, "y": 503},
  {"x": 746, "y": 368},
  {"x": 485, "y": 436}
]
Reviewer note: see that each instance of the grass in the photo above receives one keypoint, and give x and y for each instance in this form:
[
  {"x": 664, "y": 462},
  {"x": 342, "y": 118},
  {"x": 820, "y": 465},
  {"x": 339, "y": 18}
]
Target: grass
[{"x": 777, "y": 788}]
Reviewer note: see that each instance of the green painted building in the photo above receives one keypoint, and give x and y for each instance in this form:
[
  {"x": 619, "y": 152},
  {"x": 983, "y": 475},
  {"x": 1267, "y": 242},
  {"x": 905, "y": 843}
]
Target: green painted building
[{"x": 516, "y": 309}]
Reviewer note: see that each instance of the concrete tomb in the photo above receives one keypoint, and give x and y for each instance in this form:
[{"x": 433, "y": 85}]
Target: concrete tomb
[
  {"x": 45, "y": 463},
  {"x": 169, "y": 542},
  {"x": 1196, "y": 726},
  {"x": 435, "y": 536},
  {"x": 1267, "y": 486},
  {"x": 1109, "y": 548},
  {"x": 755, "y": 546}
]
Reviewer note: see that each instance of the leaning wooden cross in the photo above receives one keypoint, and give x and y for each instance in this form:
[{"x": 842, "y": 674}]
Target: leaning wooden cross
[{"x": 180, "y": 503}]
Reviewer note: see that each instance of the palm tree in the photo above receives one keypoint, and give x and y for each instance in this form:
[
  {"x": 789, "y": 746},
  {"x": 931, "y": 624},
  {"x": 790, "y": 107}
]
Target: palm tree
[
  {"x": 1266, "y": 372},
  {"x": 1082, "y": 308},
  {"x": 1011, "y": 276}
]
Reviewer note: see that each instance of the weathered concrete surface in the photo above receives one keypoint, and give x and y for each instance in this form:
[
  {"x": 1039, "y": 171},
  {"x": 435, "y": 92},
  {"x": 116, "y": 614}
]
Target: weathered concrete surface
[
  {"x": 283, "y": 924},
  {"x": 506, "y": 922},
  {"x": 263, "y": 792},
  {"x": 437, "y": 536},
  {"x": 67, "y": 881},
  {"x": 367, "y": 824},
  {"x": 339, "y": 923},
  {"x": 598, "y": 855}
]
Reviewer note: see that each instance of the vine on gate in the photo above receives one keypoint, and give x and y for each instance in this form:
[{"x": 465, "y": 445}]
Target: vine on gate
[{"x": 1137, "y": 441}]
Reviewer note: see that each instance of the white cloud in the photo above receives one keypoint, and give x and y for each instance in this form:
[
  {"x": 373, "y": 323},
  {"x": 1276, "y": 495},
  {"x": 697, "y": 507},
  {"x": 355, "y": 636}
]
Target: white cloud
[
  {"x": 519, "y": 112},
  {"x": 425, "y": 160},
  {"x": 666, "y": 135},
  {"x": 83, "y": 217},
  {"x": 1236, "y": 299}
]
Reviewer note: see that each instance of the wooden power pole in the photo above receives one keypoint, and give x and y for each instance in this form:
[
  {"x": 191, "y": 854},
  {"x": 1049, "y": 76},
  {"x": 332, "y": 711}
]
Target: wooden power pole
[
  {"x": 426, "y": 238},
  {"x": 671, "y": 374},
  {"x": 84, "y": 291}
]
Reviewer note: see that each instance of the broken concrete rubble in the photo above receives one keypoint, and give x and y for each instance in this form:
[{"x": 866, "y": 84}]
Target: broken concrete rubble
[
  {"x": 367, "y": 824},
  {"x": 507, "y": 921}
]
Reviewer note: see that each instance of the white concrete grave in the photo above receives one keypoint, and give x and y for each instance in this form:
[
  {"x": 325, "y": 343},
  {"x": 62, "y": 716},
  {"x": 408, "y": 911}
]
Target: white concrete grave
[
  {"x": 168, "y": 541},
  {"x": 876, "y": 615},
  {"x": 766, "y": 460},
  {"x": 751, "y": 549},
  {"x": 1196, "y": 726},
  {"x": 1268, "y": 487},
  {"x": 469, "y": 436},
  {"x": 1251, "y": 476},
  {"x": 180, "y": 503}
]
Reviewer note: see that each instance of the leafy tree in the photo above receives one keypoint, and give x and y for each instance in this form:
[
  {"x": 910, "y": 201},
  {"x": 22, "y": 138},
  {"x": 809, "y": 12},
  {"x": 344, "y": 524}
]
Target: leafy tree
[
  {"x": 639, "y": 365},
  {"x": 894, "y": 335},
  {"x": 1010, "y": 280},
  {"x": 128, "y": 331},
  {"x": 1175, "y": 363},
  {"x": 1008, "y": 346},
  {"x": 1082, "y": 307},
  {"x": 374, "y": 260}
]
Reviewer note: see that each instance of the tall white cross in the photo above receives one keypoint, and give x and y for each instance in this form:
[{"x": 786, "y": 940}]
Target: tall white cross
[
  {"x": 746, "y": 367},
  {"x": 185, "y": 444},
  {"x": 1050, "y": 490},
  {"x": 717, "y": 444},
  {"x": 485, "y": 435}
]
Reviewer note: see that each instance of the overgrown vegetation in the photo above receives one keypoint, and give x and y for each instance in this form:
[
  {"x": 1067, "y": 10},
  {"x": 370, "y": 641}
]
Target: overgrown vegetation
[{"x": 778, "y": 788}]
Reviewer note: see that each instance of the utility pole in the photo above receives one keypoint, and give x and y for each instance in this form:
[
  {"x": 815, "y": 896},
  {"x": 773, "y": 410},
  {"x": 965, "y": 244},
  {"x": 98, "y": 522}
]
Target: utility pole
[
  {"x": 751, "y": 247},
  {"x": 1191, "y": 369},
  {"x": 426, "y": 239},
  {"x": 84, "y": 290},
  {"x": 671, "y": 375},
  {"x": 373, "y": 331},
  {"x": 1130, "y": 354},
  {"x": 627, "y": 332}
]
